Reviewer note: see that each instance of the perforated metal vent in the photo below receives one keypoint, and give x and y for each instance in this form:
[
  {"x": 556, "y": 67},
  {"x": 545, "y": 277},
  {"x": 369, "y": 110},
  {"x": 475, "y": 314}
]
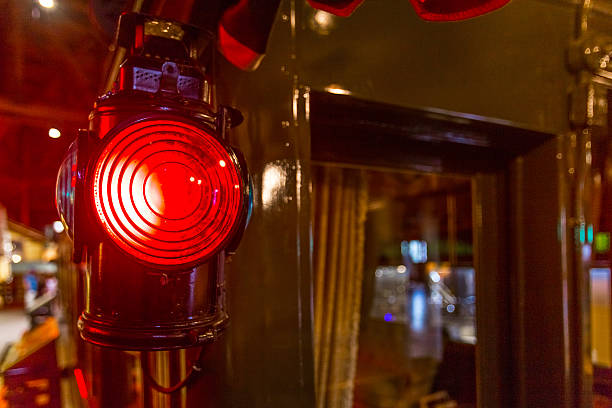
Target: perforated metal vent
[
  {"x": 149, "y": 80},
  {"x": 189, "y": 87},
  {"x": 146, "y": 79}
]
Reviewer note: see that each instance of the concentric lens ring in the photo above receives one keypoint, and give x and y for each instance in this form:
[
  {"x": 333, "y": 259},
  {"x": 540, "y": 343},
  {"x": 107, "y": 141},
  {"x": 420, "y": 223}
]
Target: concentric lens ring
[{"x": 167, "y": 192}]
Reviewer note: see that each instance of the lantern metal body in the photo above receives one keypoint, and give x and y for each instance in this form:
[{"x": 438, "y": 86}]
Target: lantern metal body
[{"x": 154, "y": 198}]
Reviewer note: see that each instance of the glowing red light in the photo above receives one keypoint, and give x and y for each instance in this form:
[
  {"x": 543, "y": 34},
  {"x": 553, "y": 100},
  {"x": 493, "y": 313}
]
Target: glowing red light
[
  {"x": 160, "y": 192},
  {"x": 80, "y": 379},
  {"x": 453, "y": 10}
]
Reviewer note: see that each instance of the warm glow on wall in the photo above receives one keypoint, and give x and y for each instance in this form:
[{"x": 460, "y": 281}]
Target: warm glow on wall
[{"x": 337, "y": 89}]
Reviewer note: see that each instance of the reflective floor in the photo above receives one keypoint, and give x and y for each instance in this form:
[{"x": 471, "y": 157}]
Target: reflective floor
[{"x": 13, "y": 322}]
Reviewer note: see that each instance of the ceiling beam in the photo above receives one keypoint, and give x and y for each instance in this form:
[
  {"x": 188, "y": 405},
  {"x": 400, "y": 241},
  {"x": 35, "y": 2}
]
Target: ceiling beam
[{"x": 42, "y": 113}]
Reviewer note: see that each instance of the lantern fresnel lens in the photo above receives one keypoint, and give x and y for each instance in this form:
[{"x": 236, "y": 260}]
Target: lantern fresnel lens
[
  {"x": 168, "y": 192},
  {"x": 154, "y": 197}
]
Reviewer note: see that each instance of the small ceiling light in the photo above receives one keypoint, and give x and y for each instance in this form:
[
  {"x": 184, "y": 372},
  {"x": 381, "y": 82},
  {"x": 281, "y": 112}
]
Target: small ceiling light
[
  {"x": 16, "y": 258},
  {"x": 58, "y": 227},
  {"x": 47, "y": 3},
  {"x": 54, "y": 133}
]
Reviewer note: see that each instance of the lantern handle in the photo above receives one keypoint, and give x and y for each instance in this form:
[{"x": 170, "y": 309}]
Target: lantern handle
[{"x": 196, "y": 368}]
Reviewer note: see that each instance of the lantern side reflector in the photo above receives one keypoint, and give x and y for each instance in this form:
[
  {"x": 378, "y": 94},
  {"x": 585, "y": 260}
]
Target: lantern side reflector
[{"x": 65, "y": 189}]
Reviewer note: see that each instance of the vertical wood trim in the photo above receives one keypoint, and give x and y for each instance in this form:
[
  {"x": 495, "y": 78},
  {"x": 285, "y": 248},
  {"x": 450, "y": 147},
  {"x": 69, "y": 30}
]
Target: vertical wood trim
[
  {"x": 451, "y": 222},
  {"x": 546, "y": 329},
  {"x": 517, "y": 276},
  {"x": 493, "y": 355},
  {"x": 321, "y": 256}
]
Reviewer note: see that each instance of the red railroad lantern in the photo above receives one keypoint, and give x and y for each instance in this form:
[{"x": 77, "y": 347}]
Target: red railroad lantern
[{"x": 154, "y": 197}]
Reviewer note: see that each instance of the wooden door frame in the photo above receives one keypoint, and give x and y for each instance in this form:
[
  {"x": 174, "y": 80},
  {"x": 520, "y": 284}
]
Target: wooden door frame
[{"x": 520, "y": 209}]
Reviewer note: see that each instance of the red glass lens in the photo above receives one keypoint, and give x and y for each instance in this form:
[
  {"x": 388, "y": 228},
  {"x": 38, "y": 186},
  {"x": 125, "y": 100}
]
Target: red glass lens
[
  {"x": 453, "y": 10},
  {"x": 167, "y": 192}
]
